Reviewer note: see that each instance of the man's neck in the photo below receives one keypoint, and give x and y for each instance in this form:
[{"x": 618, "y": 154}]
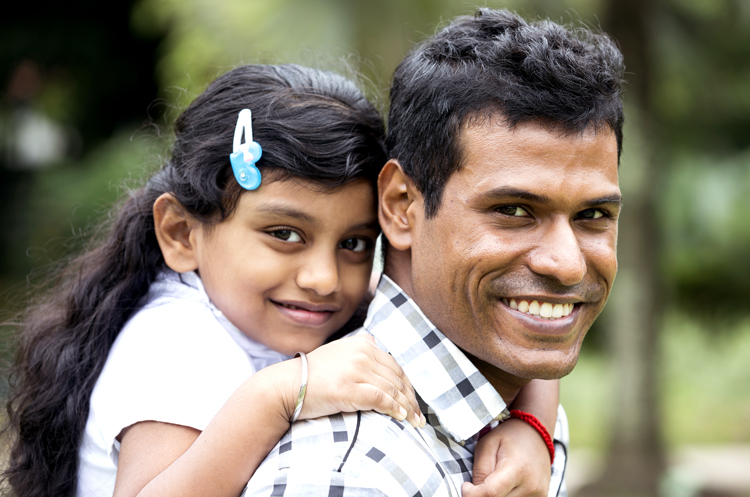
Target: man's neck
[{"x": 506, "y": 384}]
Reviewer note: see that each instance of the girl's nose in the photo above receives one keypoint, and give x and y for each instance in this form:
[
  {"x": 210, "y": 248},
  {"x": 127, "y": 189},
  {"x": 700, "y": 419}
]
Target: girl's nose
[{"x": 320, "y": 274}]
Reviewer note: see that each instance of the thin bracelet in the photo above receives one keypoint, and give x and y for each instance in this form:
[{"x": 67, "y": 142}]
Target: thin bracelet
[
  {"x": 539, "y": 427},
  {"x": 302, "y": 386}
]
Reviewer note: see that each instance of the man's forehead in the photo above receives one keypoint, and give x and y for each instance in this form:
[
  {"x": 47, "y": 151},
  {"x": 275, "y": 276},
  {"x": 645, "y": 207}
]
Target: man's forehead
[
  {"x": 479, "y": 134},
  {"x": 536, "y": 156},
  {"x": 487, "y": 122}
]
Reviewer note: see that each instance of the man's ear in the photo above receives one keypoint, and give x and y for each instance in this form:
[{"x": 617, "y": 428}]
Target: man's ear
[
  {"x": 399, "y": 201},
  {"x": 175, "y": 231}
]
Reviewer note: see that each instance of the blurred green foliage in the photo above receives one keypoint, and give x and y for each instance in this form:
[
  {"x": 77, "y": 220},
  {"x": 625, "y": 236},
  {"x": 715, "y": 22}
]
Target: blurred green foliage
[
  {"x": 705, "y": 393},
  {"x": 705, "y": 211},
  {"x": 78, "y": 199}
]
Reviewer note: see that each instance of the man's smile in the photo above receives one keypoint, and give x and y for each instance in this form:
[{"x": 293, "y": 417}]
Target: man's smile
[
  {"x": 539, "y": 308},
  {"x": 541, "y": 320}
]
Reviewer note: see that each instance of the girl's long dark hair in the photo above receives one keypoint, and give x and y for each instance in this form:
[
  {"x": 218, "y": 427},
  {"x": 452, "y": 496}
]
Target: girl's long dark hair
[{"x": 311, "y": 124}]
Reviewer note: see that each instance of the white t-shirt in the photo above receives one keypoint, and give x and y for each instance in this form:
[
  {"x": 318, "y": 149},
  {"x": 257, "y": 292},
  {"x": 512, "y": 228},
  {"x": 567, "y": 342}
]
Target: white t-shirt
[{"x": 177, "y": 360}]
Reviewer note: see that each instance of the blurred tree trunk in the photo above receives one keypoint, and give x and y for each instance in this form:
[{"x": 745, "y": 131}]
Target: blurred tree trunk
[{"x": 635, "y": 460}]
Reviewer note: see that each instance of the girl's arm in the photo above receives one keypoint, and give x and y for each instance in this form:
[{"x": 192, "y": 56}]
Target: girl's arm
[
  {"x": 513, "y": 456},
  {"x": 540, "y": 398},
  {"x": 344, "y": 376}
]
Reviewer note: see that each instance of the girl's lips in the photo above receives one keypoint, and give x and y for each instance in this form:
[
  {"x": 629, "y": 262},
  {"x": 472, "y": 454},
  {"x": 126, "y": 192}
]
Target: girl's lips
[{"x": 304, "y": 313}]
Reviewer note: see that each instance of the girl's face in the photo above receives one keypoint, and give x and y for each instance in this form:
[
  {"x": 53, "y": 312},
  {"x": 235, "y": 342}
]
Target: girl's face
[{"x": 292, "y": 263}]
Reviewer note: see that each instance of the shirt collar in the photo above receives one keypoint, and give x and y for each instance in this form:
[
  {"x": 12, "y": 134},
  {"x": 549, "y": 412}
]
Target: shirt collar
[
  {"x": 461, "y": 397},
  {"x": 190, "y": 286}
]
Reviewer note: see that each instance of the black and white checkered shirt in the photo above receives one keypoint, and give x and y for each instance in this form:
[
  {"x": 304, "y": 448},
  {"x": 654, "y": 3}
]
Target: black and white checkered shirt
[{"x": 366, "y": 453}]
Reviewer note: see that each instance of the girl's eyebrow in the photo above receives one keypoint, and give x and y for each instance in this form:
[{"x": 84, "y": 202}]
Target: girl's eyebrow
[
  {"x": 286, "y": 211},
  {"x": 368, "y": 226}
]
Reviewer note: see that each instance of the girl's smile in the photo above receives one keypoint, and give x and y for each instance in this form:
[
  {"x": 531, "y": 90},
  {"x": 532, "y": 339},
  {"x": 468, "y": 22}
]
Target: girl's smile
[
  {"x": 292, "y": 263},
  {"x": 307, "y": 313}
]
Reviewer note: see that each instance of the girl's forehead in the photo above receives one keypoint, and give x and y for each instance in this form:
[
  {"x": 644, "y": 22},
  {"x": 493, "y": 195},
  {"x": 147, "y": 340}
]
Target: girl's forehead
[
  {"x": 309, "y": 201},
  {"x": 273, "y": 175}
]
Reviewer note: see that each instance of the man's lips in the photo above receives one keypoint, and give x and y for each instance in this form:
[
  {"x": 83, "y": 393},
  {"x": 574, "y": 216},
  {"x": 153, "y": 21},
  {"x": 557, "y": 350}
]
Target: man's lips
[
  {"x": 539, "y": 316},
  {"x": 306, "y": 313},
  {"x": 541, "y": 308}
]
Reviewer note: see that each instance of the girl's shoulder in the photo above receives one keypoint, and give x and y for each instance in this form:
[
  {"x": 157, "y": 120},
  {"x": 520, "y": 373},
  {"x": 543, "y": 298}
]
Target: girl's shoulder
[
  {"x": 176, "y": 311},
  {"x": 175, "y": 334},
  {"x": 172, "y": 357},
  {"x": 176, "y": 321},
  {"x": 172, "y": 362}
]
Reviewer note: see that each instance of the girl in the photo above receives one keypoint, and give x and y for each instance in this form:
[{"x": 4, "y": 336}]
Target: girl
[{"x": 158, "y": 366}]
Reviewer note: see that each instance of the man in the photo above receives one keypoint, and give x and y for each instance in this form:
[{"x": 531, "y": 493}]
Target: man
[{"x": 499, "y": 205}]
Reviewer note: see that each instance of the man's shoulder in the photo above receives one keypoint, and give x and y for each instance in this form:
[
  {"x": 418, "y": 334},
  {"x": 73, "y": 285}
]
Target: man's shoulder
[
  {"x": 324, "y": 456},
  {"x": 363, "y": 453}
]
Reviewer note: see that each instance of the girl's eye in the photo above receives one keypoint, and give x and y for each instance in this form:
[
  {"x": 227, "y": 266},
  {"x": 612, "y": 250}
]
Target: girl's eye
[
  {"x": 354, "y": 244},
  {"x": 286, "y": 235},
  {"x": 591, "y": 214},
  {"x": 512, "y": 210}
]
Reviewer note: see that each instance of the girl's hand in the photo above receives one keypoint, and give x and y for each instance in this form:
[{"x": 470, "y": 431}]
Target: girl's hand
[
  {"x": 353, "y": 374},
  {"x": 511, "y": 460}
]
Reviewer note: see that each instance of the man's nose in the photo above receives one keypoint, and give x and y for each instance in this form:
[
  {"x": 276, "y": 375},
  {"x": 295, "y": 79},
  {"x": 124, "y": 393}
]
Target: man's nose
[
  {"x": 558, "y": 254},
  {"x": 320, "y": 273}
]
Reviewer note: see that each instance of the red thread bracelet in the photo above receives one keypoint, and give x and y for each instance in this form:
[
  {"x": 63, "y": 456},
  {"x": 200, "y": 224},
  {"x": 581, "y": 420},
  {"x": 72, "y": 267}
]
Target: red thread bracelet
[{"x": 539, "y": 427}]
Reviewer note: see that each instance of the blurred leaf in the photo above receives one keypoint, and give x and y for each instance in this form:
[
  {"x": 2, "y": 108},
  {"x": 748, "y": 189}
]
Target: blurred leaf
[
  {"x": 68, "y": 201},
  {"x": 704, "y": 218}
]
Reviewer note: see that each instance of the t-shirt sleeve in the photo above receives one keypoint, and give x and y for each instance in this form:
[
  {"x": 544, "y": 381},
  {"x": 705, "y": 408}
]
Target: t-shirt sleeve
[{"x": 174, "y": 364}]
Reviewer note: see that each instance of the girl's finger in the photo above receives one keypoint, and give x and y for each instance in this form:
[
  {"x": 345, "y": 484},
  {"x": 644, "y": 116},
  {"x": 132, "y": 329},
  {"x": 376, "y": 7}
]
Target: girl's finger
[
  {"x": 392, "y": 372},
  {"x": 386, "y": 397},
  {"x": 497, "y": 484},
  {"x": 403, "y": 393},
  {"x": 401, "y": 380},
  {"x": 372, "y": 397},
  {"x": 356, "y": 361},
  {"x": 485, "y": 460}
]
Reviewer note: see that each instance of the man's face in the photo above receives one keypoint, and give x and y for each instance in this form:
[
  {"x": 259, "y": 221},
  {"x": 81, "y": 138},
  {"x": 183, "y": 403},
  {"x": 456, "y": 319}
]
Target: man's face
[{"x": 521, "y": 256}]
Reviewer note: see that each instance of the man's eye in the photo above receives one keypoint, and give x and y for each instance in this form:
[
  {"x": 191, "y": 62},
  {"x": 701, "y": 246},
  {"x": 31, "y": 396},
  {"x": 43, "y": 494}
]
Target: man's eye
[
  {"x": 512, "y": 210},
  {"x": 355, "y": 244},
  {"x": 286, "y": 235},
  {"x": 591, "y": 214}
]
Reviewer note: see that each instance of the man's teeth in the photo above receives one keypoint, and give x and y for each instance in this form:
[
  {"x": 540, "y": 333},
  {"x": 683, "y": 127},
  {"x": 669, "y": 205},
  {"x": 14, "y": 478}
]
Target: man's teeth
[{"x": 542, "y": 309}]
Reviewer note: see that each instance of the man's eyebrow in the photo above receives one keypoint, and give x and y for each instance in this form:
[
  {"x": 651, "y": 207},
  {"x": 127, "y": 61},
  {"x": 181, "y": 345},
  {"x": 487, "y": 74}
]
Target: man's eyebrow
[
  {"x": 281, "y": 210},
  {"x": 615, "y": 198},
  {"x": 514, "y": 193},
  {"x": 504, "y": 192}
]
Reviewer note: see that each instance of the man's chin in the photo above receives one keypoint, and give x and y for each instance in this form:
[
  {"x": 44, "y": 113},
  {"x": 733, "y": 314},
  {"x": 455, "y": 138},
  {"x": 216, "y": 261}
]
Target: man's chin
[
  {"x": 546, "y": 374},
  {"x": 550, "y": 365}
]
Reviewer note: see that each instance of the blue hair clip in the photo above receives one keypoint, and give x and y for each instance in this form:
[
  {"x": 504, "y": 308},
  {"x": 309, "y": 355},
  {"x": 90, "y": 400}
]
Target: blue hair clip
[{"x": 245, "y": 155}]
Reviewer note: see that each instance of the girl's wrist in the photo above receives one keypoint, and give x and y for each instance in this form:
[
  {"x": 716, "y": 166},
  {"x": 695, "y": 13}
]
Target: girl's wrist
[
  {"x": 281, "y": 382},
  {"x": 302, "y": 387}
]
